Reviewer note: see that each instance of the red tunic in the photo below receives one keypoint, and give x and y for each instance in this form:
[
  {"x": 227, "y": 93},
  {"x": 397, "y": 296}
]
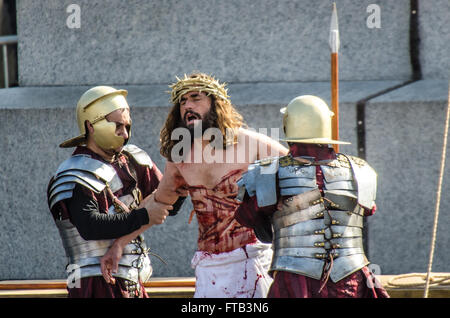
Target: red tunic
[
  {"x": 289, "y": 285},
  {"x": 147, "y": 181}
]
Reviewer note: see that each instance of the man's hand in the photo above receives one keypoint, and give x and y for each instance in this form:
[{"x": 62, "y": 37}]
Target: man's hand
[
  {"x": 110, "y": 262},
  {"x": 157, "y": 212}
]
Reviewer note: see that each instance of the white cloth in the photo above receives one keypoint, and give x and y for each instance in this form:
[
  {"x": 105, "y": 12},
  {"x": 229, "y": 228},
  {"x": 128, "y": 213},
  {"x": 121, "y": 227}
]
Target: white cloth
[{"x": 241, "y": 273}]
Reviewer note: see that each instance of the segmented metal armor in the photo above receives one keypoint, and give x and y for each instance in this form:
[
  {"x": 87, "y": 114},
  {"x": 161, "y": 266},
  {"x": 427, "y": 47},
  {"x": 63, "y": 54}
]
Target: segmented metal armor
[
  {"x": 313, "y": 229},
  {"x": 84, "y": 255}
]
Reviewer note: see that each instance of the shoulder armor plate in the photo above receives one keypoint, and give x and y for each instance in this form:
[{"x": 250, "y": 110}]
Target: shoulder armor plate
[
  {"x": 84, "y": 170},
  {"x": 296, "y": 175},
  {"x": 342, "y": 161},
  {"x": 260, "y": 180},
  {"x": 360, "y": 162},
  {"x": 366, "y": 180},
  {"x": 139, "y": 155},
  {"x": 85, "y": 163},
  {"x": 339, "y": 179}
]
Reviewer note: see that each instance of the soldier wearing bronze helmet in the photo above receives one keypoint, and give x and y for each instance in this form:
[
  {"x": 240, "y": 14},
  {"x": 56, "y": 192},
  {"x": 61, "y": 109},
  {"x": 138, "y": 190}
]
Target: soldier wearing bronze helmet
[
  {"x": 310, "y": 204},
  {"x": 104, "y": 191}
]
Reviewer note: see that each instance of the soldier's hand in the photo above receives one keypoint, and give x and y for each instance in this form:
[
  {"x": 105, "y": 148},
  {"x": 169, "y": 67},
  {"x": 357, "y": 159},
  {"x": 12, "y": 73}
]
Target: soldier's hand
[{"x": 157, "y": 212}]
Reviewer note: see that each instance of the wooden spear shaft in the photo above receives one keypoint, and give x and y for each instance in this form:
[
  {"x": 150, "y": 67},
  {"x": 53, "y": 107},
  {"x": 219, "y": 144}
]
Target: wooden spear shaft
[
  {"x": 334, "y": 46},
  {"x": 335, "y": 98}
]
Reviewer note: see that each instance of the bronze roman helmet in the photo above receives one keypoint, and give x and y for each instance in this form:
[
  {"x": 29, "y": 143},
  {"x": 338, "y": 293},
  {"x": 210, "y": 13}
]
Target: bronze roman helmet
[
  {"x": 94, "y": 105},
  {"x": 307, "y": 119}
]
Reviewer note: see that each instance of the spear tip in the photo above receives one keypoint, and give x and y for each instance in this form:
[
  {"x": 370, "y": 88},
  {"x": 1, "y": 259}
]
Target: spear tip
[
  {"x": 334, "y": 30},
  {"x": 334, "y": 19}
]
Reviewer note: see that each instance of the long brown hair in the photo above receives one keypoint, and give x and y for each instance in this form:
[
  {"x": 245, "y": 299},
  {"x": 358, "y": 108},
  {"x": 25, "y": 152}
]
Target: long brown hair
[{"x": 226, "y": 118}]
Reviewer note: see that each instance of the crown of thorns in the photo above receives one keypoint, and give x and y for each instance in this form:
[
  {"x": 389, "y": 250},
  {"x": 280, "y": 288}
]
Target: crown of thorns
[{"x": 209, "y": 85}]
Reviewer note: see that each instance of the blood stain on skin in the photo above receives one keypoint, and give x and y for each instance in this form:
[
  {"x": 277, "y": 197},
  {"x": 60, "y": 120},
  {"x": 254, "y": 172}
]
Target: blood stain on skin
[{"x": 218, "y": 230}]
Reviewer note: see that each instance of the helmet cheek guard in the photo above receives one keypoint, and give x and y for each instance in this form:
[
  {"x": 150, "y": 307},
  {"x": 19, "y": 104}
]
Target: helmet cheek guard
[{"x": 105, "y": 135}]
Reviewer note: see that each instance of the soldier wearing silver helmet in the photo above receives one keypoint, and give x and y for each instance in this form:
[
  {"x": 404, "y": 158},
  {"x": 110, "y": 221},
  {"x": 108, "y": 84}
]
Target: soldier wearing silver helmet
[
  {"x": 103, "y": 191},
  {"x": 310, "y": 204}
]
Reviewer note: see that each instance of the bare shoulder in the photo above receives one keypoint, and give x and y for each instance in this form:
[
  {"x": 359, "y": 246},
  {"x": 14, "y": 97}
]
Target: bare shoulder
[
  {"x": 253, "y": 137},
  {"x": 256, "y": 136},
  {"x": 170, "y": 168},
  {"x": 170, "y": 183}
]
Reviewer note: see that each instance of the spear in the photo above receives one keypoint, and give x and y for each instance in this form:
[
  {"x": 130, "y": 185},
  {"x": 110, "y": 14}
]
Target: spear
[{"x": 334, "y": 47}]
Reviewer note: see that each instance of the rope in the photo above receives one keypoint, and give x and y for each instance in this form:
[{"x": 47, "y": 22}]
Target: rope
[
  {"x": 438, "y": 199},
  {"x": 434, "y": 279}
]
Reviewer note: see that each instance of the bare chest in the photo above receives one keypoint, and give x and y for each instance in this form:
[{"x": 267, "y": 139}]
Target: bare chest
[
  {"x": 207, "y": 175},
  {"x": 213, "y": 166}
]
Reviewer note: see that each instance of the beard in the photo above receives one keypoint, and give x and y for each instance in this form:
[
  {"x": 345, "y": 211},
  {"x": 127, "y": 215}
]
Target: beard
[{"x": 209, "y": 120}]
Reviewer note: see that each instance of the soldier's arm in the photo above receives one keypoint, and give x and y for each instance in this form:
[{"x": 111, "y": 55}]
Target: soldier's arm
[
  {"x": 170, "y": 189},
  {"x": 110, "y": 261},
  {"x": 250, "y": 215},
  {"x": 94, "y": 225}
]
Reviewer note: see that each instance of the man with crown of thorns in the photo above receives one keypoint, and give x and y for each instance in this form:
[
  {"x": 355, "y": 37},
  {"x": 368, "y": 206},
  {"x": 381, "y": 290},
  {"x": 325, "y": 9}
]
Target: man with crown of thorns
[{"x": 230, "y": 261}]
